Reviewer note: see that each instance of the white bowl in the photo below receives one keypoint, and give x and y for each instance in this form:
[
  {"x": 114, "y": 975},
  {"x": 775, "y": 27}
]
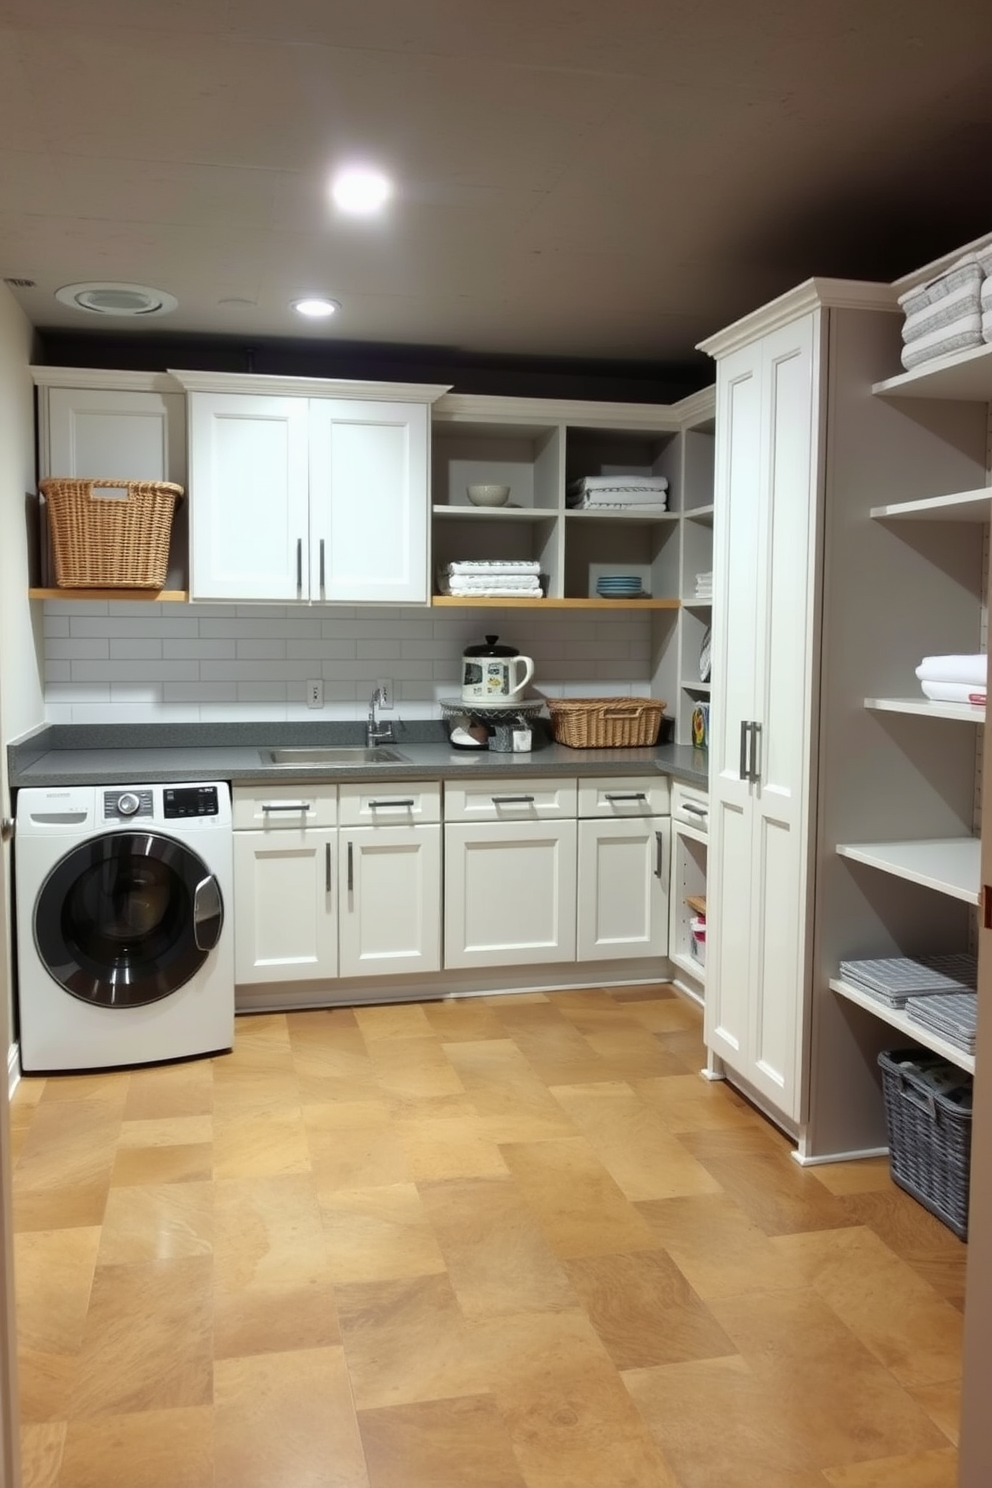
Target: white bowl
[{"x": 488, "y": 495}]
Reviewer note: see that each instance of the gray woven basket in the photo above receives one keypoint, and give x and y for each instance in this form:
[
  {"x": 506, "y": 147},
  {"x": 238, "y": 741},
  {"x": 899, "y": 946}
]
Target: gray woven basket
[{"x": 929, "y": 1136}]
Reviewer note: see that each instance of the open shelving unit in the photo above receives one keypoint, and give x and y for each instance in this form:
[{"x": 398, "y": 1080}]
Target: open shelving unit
[{"x": 896, "y": 1018}]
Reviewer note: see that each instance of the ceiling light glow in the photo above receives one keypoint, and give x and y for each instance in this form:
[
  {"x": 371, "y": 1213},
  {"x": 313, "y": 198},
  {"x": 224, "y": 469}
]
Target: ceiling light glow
[
  {"x": 316, "y": 307},
  {"x": 361, "y": 191}
]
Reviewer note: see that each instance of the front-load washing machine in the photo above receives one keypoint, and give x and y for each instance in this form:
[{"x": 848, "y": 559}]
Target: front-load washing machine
[{"x": 124, "y": 937}]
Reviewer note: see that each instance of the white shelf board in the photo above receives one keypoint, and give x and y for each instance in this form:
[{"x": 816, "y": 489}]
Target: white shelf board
[
  {"x": 697, "y": 604},
  {"x": 642, "y": 514},
  {"x": 703, "y": 514},
  {"x": 896, "y": 1018},
  {"x": 963, "y": 506},
  {"x": 688, "y": 963},
  {"x": 924, "y": 707},
  {"x": 497, "y": 513},
  {"x": 951, "y": 865},
  {"x": 965, "y": 376},
  {"x": 688, "y": 685}
]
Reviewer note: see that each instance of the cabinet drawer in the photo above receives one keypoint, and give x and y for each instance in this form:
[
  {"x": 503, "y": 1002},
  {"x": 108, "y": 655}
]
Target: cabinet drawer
[
  {"x": 510, "y": 800},
  {"x": 366, "y": 804},
  {"x": 276, "y": 807},
  {"x": 690, "y": 806},
  {"x": 630, "y": 795}
]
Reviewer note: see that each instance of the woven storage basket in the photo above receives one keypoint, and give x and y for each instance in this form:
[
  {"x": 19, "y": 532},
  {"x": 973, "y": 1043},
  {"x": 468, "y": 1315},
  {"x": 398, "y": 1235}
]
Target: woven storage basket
[
  {"x": 605, "y": 723},
  {"x": 105, "y": 542},
  {"x": 929, "y": 1135}
]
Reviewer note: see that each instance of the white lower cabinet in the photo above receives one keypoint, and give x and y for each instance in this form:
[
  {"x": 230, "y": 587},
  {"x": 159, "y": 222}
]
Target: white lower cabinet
[
  {"x": 389, "y": 892},
  {"x": 509, "y": 892},
  {"x": 624, "y": 855},
  {"x": 285, "y": 919}
]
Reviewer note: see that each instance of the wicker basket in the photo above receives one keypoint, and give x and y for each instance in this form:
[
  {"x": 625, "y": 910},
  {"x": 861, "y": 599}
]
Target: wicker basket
[
  {"x": 605, "y": 723},
  {"x": 106, "y": 542},
  {"x": 929, "y": 1135}
]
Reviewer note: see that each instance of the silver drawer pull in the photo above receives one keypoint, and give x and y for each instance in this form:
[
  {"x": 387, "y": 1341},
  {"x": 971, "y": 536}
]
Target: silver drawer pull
[
  {"x": 299, "y": 565},
  {"x": 512, "y": 800},
  {"x": 659, "y": 861},
  {"x": 351, "y": 867},
  {"x": 626, "y": 796},
  {"x": 393, "y": 801},
  {"x": 327, "y": 867},
  {"x": 285, "y": 806}
]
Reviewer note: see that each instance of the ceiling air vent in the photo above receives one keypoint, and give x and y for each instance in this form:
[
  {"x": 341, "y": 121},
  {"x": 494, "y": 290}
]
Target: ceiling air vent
[
  {"x": 116, "y": 299},
  {"x": 22, "y": 283}
]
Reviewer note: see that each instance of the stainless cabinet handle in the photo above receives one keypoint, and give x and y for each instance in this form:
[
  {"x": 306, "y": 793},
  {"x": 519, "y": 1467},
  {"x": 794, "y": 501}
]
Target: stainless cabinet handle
[
  {"x": 742, "y": 769},
  {"x": 694, "y": 810},
  {"x": 625, "y": 796},
  {"x": 659, "y": 859},
  {"x": 327, "y": 867},
  {"x": 393, "y": 801},
  {"x": 285, "y": 806},
  {"x": 512, "y": 800},
  {"x": 322, "y": 565},
  {"x": 299, "y": 564},
  {"x": 755, "y": 775},
  {"x": 351, "y": 867}
]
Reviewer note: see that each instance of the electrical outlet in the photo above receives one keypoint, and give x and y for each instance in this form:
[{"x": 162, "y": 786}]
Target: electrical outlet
[
  {"x": 385, "y": 686},
  {"x": 315, "y": 692}
]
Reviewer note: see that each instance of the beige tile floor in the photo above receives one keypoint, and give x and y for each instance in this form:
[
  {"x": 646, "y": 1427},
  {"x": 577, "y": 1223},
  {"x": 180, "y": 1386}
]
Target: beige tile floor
[{"x": 508, "y": 1242}]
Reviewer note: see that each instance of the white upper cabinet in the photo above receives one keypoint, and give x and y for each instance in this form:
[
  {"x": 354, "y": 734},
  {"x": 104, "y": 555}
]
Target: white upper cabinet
[
  {"x": 308, "y": 498},
  {"x": 250, "y": 529}
]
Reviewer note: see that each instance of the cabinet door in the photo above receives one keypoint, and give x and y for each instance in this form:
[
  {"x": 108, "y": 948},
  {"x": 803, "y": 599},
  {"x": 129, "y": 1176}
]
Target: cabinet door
[
  {"x": 117, "y": 434},
  {"x": 623, "y": 875},
  {"x": 249, "y": 497},
  {"x": 369, "y": 501},
  {"x": 389, "y": 891},
  {"x": 765, "y": 595},
  {"x": 284, "y": 897},
  {"x": 509, "y": 893}
]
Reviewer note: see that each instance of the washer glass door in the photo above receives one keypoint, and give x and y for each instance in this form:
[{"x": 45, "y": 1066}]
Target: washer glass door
[{"x": 127, "y": 919}]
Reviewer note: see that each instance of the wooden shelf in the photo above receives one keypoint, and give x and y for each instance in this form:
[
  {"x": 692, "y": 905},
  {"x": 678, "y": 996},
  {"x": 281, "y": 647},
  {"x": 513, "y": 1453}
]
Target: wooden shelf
[
  {"x": 130, "y": 596},
  {"x": 950, "y": 865},
  {"x": 963, "y": 506},
  {"x": 466, "y": 602},
  {"x": 497, "y": 513},
  {"x": 697, "y": 903},
  {"x": 925, "y": 708},
  {"x": 896, "y": 1018},
  {"x": 964, "y": 375}
]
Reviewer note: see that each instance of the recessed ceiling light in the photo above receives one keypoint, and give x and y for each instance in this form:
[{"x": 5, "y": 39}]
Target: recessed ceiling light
[
  {"x": 315, "y": 306},
  {"x": 361, "y": 191},
  {"x": 102, "y": 298}
]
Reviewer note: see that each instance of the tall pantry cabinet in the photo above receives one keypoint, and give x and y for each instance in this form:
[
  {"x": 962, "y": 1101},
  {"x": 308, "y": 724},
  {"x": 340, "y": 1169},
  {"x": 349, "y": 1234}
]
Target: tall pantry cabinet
[{"x": 818, "y": 606}]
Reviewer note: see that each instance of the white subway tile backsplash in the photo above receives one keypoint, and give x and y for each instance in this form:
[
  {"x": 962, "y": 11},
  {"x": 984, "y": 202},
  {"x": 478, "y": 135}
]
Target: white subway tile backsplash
[{"x": 221, "y": 663}]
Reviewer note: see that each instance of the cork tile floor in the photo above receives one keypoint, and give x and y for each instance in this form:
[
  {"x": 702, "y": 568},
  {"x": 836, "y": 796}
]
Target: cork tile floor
[{"x": 509, "y": 1242}]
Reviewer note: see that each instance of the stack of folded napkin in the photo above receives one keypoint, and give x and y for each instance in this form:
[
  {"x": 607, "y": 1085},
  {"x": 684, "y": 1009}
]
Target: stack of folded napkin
[
  {"x": 951, "y": 312},
  {"x": 610, "y": 492},
  {"x": 704, "y": 585},
  {"x": 492, "y": 579},
  {"x": 954, "y": 679}
]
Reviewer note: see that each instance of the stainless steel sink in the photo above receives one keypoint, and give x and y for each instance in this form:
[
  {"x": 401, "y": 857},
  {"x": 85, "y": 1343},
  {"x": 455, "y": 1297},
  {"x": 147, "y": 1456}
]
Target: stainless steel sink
[{"x": 332, "y": 755}]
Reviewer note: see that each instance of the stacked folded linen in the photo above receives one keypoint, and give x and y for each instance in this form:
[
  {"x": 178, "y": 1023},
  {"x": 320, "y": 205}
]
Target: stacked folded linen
[
  {"x": 606, "y": 492},
  {"x": 704, "y": 585},
  {"x": 954, "y": 1016},
  {"x": 954, "y": 679},
  {"x": 893, "y": 980},
  {"x": 943, "y": 315},
  {"x": 492, "y": 579}
]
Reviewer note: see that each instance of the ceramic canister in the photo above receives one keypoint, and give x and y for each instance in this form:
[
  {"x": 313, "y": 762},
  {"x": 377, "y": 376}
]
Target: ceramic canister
[{"x": 494, "y": 674}]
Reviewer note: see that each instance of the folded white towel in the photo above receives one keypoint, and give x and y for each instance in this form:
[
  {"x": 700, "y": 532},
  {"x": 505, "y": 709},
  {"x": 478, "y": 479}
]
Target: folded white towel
[
  {"x": 494, "y": 565},
  {"x": 954, "y": 692},
  {"x": 972, "y": 670},
  {"x": 620, "y": 483},
  {"x": 987, "y": 325},
  {"x": 987, "y": 293},
  {"x": 604, "y": 501},
  {"x": 459, "y": 591},
  {"x": 966, "y": 270},
  {"x": 963, "y": 301},
  {"x": 498, "y": 581},
  {"x": 963, "y": 334}
]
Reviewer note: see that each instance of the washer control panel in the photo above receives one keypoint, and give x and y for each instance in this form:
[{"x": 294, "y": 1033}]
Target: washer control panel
[
  {"x": 127, "y": 805},
  {"x": 189, "y": 800}
]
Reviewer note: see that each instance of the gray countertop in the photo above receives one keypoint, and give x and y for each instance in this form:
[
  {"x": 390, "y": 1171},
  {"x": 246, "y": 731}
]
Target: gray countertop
[{"x": 144, "y": 754}]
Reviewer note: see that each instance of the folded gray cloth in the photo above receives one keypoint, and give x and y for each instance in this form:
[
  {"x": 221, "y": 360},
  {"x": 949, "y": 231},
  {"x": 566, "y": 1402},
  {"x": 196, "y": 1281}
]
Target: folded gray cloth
[
  {"x": 942, "y": 313},
  {"x": 966, "y": 271},
  {"x": 962, "y": 335}
]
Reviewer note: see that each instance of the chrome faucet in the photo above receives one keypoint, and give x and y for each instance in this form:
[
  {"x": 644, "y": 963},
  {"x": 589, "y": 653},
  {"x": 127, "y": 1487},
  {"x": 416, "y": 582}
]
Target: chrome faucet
[{"x": 377, "y": 732}]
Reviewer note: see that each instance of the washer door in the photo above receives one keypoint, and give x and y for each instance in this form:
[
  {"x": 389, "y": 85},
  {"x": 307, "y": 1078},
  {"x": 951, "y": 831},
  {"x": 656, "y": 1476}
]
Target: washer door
[{"x": 127, "y": 919}]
